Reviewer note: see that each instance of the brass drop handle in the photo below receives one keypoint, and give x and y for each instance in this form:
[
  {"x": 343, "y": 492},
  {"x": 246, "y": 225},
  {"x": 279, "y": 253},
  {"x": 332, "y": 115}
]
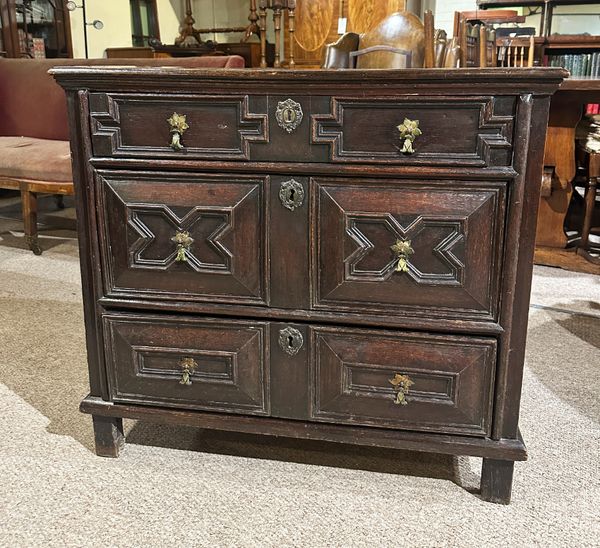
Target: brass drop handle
[
  {"x": 178, "y": 125},
  {"x": 183, "y": 241},
  {"x": 401, "y": 384},
  {"x": 188, "y": 365},
  {"x": 403, "y": 250},
  {"x": 409, "y": 131}
]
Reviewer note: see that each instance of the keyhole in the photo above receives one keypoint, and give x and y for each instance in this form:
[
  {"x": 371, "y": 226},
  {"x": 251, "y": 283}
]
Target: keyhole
[
  {"x": 291, "y": 341},
  {"x": 292, "y": 194},
  {"x": 289, "y": 115}
]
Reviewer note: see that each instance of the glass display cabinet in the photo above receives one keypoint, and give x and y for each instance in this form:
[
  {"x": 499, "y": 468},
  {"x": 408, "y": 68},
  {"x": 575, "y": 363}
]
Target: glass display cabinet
[{"x": 35, "y": 29}]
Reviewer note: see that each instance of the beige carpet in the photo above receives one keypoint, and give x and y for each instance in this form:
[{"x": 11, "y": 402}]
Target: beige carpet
[{"x": 188, "y": 487}]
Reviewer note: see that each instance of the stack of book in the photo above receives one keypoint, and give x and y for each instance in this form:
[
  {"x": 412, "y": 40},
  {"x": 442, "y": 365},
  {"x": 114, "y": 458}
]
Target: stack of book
[
  {"x": 39, "y": 48},
  {"x": 578, "y": 64}
]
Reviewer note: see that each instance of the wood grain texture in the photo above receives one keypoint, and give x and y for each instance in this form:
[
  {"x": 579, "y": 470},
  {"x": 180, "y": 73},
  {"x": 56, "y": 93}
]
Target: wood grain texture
[
  {"x": 314, "y": 19},
  {"x": 364, "y": 15}
]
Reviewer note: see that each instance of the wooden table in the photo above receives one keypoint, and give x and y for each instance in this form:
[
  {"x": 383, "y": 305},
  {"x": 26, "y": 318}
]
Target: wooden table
[{"x": 566, "y": 111}]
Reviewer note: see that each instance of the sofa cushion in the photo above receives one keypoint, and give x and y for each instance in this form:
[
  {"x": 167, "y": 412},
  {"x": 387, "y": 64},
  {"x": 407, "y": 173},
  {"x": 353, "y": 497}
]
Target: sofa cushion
[
  {"x": 35, "y": 159},
  {"x": 34, "y": 105}
]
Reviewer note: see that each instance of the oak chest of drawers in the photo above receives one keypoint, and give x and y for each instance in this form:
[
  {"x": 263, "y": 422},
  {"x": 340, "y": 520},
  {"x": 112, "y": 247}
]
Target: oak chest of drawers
[{"x": 343, "y": 256}]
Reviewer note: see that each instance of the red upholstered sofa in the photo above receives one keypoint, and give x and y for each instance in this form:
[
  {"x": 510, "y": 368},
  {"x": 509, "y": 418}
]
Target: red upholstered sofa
[{"x": 34, "y": 148}]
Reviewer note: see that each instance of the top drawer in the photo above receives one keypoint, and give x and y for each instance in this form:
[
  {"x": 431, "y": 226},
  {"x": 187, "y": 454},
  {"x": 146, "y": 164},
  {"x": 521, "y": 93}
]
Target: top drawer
[
  {"x": 138, "y": 126},
  {"x": 452, "y": 131}
]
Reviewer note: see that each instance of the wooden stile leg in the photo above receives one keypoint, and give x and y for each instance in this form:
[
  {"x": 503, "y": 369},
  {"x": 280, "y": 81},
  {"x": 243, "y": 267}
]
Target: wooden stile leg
[
  {"x": 108, "y": 432},
  {"x": 277, "y": 22},
  {"x": 496, "y": 480},
  {"x": 262, "y": 12},
  {"x": 292, "y": 23},
  {"x": 29, "y": 205}
]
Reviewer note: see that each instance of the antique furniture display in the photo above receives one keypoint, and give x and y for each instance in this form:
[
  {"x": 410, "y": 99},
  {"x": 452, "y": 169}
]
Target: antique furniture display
[
  {"x": 35, "y": 157},
  {"x": 590, "y": 161},
  {"x": 279, "y": 7},
  {"x": 399, "y": 41},
  {"x": 322, "y": 22},
  {"x": 335, "y": 255},
  {"x": 544, "y": 8},
  {"x": 567, "y": 108},
  {"x": 35, "y": 28}
]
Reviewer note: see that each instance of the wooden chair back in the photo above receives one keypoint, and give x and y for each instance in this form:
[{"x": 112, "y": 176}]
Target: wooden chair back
[
  {"x": 516, "y": 52},
  {"x": 469, "y": 40},
  {"x": 488, "y": 53},
  {"x": 404, "y": 61}
]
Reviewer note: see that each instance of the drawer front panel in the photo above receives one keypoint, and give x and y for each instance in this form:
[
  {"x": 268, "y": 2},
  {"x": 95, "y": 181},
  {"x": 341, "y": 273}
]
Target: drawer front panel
[
  {"x": 452, "y": 380},
  {"x": 191, "y": 363},
  {"x": 474, "y": 131},
  {"x": 219, "y": 127},
  {"x": 452, "y": 232},
  {"x": 198, "y": 237}
]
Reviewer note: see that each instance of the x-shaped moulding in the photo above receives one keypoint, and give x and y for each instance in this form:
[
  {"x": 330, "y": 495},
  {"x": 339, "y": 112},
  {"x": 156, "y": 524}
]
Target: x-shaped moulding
[
  {"x": 443, "y": 250},
  {"x": 178, "y": 224}
]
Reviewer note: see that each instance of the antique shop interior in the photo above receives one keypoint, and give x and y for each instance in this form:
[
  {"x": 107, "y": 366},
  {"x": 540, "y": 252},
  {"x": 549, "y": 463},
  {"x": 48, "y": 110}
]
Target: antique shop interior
[{"x": 309, "y": 273}]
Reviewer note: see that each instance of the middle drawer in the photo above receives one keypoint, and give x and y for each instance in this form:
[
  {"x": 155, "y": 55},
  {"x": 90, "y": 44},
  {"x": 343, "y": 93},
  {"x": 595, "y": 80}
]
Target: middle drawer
[{"x": 400, "y": 248}]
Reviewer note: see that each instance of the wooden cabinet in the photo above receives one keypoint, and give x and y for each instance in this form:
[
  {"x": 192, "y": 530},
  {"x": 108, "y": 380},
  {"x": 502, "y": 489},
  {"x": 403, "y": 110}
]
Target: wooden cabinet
[
  {"x": 286, "y": 266},
  {"x": 35, "y": 28}
]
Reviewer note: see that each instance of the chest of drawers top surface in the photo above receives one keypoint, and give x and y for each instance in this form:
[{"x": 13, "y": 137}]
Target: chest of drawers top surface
[
  {"x": 338, "y": 117},
  {"x": 342, "y": 255}
]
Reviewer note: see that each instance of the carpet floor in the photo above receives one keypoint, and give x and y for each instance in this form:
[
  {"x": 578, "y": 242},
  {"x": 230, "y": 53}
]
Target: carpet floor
[{"x": 191, "y": 487}]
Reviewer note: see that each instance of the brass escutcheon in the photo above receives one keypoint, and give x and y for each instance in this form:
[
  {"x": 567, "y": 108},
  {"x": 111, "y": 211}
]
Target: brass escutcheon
[
  {"x": 178, "y": 125},
  {"x": 409, "y": 131},
  {"x": 289, "y": 115},
  {"x": 402, "y": 384},
  {"x": 188, "y": 365},
  {"x": 403, "y": 249},
  {"x": 183, "y": 241}
]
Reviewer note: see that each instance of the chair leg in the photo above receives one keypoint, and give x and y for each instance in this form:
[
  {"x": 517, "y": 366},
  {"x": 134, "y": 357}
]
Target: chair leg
[
  {"x": 60, "y": 201},
  {"x": 29, "y": 204},
  {"x": 590, "y": 201}
]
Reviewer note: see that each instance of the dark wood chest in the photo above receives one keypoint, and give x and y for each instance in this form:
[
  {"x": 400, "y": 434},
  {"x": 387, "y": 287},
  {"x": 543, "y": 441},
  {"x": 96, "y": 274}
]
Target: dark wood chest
[{"x": 343, "y": 256}]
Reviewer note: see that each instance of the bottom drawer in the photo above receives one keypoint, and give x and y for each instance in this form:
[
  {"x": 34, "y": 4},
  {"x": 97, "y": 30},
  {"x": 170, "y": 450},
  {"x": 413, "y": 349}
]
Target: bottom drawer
[
  {"x": 411, "y": 381},
  {"x": 188, "y": 362},
  {"x": 389, "y": 379}
]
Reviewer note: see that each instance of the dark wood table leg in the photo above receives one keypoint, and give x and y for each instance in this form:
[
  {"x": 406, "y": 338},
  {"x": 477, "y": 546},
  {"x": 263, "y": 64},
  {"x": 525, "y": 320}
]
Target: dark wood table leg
[
  {"x": 29, "y": 204},
  {"x": 496, "y": 480},
  {"x": 108, "y": 432}
]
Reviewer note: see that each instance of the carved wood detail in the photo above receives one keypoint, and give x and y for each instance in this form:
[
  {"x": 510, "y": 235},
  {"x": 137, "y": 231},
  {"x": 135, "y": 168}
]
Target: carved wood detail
[
  {"x": 230, "y": 121},
  {"x": 449, "y": 137},
  {"x": 443, "y": 249},
  {"x": 452, "y": 384},
  {"x": 186, "y": 223},
  {"x": 364, "y": 15},
  {"x": 143, "y": 353}
]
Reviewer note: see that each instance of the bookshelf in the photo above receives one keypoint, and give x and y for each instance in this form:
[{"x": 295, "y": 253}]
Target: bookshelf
[
  {"x": 578, "y": 53},
  {"x": 35, "y": 28}
]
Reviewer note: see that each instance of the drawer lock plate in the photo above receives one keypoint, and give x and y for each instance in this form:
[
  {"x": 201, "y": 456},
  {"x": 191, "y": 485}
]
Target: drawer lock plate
[
  {"x": 291, "y": 194},
  {"x": 401, "y": 384},
  {"x": 289, "y": 115},
  {"x": 290, "y": 340}
]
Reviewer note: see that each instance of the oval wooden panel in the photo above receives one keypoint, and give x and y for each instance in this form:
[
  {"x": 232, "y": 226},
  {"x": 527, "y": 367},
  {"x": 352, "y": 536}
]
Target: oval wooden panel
[
  {"x": 364, "y": 15},
  {"x": 313, "y": 23}
]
